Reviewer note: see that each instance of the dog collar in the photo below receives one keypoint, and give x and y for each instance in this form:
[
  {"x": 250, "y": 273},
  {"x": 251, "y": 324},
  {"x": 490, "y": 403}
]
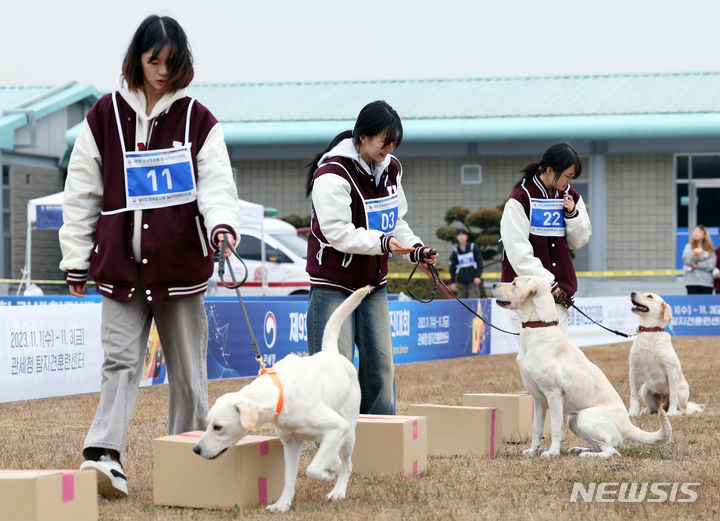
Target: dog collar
[
  {"x": 274, "y": 377},
  {"x": 539, "y": 323},
  {"x": 644, "y": 329}
]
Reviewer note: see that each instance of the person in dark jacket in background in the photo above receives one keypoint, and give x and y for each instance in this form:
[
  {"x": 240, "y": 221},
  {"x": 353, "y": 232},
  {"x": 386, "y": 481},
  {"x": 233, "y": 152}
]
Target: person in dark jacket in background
[{"x": 466, "y": 267}]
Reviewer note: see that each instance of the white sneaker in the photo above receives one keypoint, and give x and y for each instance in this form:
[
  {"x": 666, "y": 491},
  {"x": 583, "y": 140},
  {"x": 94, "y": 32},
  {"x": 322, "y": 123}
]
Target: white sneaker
[{"x": 111, "y": 480}]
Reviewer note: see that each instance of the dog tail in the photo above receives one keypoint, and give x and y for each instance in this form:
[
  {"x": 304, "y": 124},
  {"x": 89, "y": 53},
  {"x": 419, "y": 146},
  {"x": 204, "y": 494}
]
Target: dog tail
[
  {"x": 661, "y": 436},
  {"x": 335, "y": 322}
]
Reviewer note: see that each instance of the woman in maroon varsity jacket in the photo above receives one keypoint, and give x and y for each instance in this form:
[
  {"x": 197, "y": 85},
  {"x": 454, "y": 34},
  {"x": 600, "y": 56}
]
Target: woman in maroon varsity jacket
[
  {"x": 543, "y": 219},
  {"x": 149, "y": 194},
  {"x": 358, "y": 210}
]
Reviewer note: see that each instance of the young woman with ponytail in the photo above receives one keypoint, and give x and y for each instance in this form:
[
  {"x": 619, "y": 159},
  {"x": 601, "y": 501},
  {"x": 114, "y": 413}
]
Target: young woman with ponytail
[
  {"x": 544, "y": 218},
  {"x": 357, "y": 221}
]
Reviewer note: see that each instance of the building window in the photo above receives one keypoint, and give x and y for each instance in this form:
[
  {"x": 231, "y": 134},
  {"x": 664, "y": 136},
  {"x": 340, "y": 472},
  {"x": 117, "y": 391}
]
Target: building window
[
  {"x": 6, "y": 218},
  {"x": 471, "y": 174}
]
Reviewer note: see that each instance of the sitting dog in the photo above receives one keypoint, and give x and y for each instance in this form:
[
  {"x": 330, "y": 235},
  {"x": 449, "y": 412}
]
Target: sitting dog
[
  {"x": 654, "y": 364},
  {"x": 559, "y": 377},
  {"x": 317, "y": 398}
]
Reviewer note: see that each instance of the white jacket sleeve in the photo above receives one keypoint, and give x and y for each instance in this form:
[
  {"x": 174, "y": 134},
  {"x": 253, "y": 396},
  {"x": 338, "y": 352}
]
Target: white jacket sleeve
[
  {"x": 217, "y": 195},
  {"x": 331, "y": 200},
  {"x": 515, "y": 234},
  {"x": 578, "y": 229},
  {"x": 82, "y": 202}
]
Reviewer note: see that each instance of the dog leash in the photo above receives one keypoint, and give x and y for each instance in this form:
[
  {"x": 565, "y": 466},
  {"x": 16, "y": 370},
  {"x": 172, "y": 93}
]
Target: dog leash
[
  {"x": 435, "y": 276},
  {"x": 220, "y": 257},
  {"x": 619, "y": 333}
]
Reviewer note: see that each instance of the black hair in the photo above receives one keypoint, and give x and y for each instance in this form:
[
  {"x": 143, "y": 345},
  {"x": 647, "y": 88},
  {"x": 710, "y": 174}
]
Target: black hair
[
  {"x": 373, "y": 119},
  {"x": 155, "y": 32},
  {"x": 559, "y": 157}
]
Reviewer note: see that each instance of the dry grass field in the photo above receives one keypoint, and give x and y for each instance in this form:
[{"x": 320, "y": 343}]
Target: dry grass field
[{"x": 49, "y": 434}]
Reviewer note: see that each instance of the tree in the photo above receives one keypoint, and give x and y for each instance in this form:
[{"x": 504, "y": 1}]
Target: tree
[{"x": 482, "y": 225}]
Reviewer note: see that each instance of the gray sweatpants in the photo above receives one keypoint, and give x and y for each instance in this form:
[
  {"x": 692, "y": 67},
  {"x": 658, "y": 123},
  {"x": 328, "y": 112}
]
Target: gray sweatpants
[{"x": 183, "y": 330}]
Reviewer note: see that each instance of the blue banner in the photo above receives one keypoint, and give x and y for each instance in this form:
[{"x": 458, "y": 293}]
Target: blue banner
[
  {"x": 420, "y": 332},
  {"x": 694, "y": 315}
]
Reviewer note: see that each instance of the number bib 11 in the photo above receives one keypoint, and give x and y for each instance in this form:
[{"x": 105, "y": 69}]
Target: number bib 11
[
  {"x": 547, "y": 217},
  {"x": 158, "y": 178},
  {"x": 382, "y": 213}
]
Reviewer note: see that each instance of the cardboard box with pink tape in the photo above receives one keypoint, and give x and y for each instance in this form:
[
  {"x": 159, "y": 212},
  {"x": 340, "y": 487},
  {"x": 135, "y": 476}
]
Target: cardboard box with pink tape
[
  {"x": 456, "y": 429},
  {"x": 390, "y": 444},
  {"x": 48, "y": 495},
  {"x": 248, "y": 474},
  {"x": 517, "y": 413}
]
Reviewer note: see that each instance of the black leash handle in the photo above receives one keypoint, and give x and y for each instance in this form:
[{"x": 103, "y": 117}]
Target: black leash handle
[
  {"x": 220, "y": 256},
  {"x": 435, "y": 275}
]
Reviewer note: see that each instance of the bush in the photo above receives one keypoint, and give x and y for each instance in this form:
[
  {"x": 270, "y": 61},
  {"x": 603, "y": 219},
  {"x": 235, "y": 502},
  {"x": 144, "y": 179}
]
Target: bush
[{"x": 297, "y": 221}]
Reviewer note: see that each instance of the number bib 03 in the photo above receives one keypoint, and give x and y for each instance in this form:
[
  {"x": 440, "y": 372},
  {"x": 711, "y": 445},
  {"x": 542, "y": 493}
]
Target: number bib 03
[
  {"x": 382, "y": 213},
  {"x": 157, "y": 178},
  {"x": 547, "y": 217}
]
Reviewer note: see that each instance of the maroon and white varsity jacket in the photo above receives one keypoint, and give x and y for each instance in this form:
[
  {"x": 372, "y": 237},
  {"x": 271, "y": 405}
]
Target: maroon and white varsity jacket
[{"x": 174, "y": 247}]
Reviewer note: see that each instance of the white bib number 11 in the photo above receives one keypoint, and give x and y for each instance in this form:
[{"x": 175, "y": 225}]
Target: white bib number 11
[{"x": 165, "y": 173}]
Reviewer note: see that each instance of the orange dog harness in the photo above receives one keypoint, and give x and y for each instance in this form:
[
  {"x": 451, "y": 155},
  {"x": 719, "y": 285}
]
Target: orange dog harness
[{"x": 273, "y": 375}]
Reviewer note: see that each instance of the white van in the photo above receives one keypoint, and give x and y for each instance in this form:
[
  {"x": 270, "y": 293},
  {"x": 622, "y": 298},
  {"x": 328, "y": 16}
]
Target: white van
[{"x": 281, "y": 273}]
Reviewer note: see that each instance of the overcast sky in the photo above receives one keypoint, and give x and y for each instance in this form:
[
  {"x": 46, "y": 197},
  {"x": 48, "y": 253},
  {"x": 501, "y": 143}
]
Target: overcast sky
[{"x": 50, "y": 42}]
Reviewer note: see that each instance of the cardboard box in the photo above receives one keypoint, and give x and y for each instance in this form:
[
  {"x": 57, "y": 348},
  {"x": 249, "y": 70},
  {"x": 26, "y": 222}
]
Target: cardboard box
[
  {"x": 461, "y": 430},
  {"x": 248, "y": 474},
  {"x": 390, "y": 444},
  {"x": 517, "y": 413},
  {"x": 48, "y": 495}
]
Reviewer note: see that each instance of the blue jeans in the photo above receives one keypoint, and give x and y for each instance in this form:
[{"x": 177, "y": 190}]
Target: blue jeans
[{"x": 369, "y": 327}]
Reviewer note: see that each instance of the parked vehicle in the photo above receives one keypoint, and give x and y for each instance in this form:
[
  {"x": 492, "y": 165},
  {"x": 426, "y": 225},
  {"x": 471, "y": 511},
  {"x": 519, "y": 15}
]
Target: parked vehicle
[{"x": 282, "y": 270}]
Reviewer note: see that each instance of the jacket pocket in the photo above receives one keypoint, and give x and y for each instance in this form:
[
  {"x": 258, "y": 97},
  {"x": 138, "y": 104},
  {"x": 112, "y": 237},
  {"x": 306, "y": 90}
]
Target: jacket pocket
[{"x": 201, "y": 235}]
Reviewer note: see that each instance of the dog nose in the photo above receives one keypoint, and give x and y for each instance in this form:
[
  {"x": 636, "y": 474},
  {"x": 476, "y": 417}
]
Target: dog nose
[
  {"x": 494, "y": 285},
  {"x": 197, "y": 450},
  {"x": 632, "y": 295}
]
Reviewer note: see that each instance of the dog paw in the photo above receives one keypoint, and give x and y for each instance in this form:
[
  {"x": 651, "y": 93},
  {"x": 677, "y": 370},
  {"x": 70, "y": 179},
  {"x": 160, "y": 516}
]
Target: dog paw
[
  {"x": 336, "y": 495},
  {"x": 674, "y": 412},
  {"x": 576, "y": 450},
  {"x": 634, "y": 411},
  {"x": 279, "y": 506},
  {"x": 532, "y": 451},
  {"x": 646, "y": 410},
  {"x": 552, "y": 453}
]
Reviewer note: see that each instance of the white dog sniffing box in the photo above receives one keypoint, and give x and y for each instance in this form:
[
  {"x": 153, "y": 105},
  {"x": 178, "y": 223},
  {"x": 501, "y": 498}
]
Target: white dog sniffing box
[
  {"x": 390, "y": 444},
  {"x": 250, "y": 473},
  {"x": 517, "y": 413},
  {"x": 461, "y": 430},
  {"x": 48, "y": 495}
]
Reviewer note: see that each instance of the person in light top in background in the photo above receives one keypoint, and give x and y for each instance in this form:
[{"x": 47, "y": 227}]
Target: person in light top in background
[
  {"x": 700, "y": 261},
  {"x": 466, "y": 267},
  {"x": 543, "y": 219},
  {"x": 357, "y": 221},
  {"x": 150, "y": 250}
]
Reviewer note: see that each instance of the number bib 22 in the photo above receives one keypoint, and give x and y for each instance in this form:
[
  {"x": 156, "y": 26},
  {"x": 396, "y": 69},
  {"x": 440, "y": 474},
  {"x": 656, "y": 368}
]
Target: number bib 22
[{"x": 547, "y": 217}]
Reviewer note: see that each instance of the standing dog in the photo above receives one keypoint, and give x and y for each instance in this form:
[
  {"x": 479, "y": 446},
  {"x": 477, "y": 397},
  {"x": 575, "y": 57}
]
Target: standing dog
[
  {"x": 654, "y": 364},
  {"x": 317, "y": 399},
  {"x": 559, "y": 377}
]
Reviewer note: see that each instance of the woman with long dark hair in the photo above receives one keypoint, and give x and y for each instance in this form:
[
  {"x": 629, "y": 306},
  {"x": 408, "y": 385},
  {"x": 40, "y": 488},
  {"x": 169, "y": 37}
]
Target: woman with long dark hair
[
  {"x": 149, "y": 194},
  {"x": 543, "y": 219},
  {"x": 358, "y": 209},
  {"x": 699, "y": 261}
]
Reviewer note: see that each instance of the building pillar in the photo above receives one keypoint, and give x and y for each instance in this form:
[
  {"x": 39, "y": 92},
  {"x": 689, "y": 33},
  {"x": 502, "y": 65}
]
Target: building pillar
[{"x": 597, "y": 204}]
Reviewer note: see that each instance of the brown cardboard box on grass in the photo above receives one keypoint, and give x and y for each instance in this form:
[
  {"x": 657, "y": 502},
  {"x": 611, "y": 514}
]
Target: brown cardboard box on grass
[
  {"x": 461, "y": 430},
  {"x": 248, "y": 474},
  {"x": 48, "y": 495},
  {"x": 390, "y": 444},
  {"x": 517, "y": 413}
]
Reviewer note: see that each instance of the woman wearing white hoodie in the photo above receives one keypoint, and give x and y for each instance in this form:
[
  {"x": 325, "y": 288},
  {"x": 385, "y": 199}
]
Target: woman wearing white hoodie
[
  {"x": 358, "y": 210},
  {"x": 149, "y": 194}
]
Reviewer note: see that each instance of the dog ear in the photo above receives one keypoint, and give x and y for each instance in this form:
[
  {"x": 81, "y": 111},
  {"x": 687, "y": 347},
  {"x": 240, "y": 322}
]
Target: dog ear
[
  {"x": 529, "y": 289},
  {"x": 251, "y": 414},
  {"x": 666, "y": 312}
]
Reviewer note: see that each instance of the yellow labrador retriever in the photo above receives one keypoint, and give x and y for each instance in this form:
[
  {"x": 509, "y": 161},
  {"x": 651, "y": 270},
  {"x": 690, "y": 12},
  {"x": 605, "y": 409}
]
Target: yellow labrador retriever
[
  {"x": 655, "y": 370},
  {"x": 560, "y": 378},
  {"x": 315, "y": 398}
]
